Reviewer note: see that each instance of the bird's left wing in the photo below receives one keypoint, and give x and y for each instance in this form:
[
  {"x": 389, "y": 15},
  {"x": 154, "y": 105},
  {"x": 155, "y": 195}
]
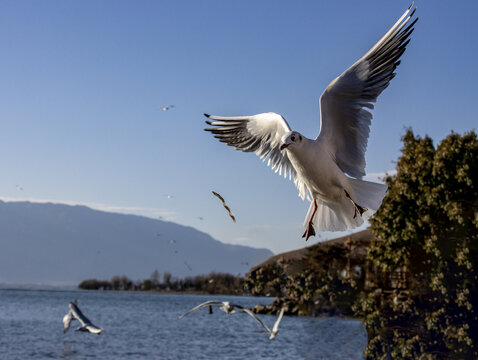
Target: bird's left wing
[
  {"x": 67, "y": 320},
  {"x": 276, "y": 324},
  {"x": 344, "y": 121},
  {"x": 210, "y": 302},
  {"x": 261, "y": 134}
]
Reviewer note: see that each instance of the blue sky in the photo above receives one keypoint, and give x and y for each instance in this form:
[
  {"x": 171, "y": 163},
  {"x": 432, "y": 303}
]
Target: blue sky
[{"x": 82, "y": 85}]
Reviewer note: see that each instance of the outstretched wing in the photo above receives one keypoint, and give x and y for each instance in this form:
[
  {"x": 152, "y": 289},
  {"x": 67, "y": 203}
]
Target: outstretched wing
[
  {"x": 249, "y": 312},
  {"x": 200, "y": 306},
  {"x": 345, "y": 123},
  {"x": 67, "y": 320},
  {"x": 261, "y": 134},
  {"x": 225, "y": 206},
  {"x": 276, "y": 324}
]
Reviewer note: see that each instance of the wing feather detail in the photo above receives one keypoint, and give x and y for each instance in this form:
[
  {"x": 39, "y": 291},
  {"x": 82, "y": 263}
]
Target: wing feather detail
[
  {"x": 261, "y": 134},
  {"x": 345, "y": 120}
]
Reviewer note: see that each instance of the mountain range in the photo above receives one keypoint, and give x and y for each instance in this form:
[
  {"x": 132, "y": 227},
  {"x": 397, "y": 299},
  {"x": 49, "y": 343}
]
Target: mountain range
[{"x": 63, "y": 244}]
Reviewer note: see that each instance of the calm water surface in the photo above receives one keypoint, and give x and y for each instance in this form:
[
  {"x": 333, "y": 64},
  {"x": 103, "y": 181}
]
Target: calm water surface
[{"x": 146, "y": 326}]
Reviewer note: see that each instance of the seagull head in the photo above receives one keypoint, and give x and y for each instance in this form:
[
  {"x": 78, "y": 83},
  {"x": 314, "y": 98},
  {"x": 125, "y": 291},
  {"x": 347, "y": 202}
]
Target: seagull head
[{"x": 292, "y": 139}]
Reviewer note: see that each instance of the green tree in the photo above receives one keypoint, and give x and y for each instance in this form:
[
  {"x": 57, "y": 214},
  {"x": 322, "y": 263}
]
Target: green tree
[
  {"x": 426, "y": 247},
  {"x": 267, "y": 280}
]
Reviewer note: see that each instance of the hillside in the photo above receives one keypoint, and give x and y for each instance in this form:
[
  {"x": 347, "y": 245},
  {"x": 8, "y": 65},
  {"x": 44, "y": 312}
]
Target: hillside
[
  {"x": 54, "y": 243},
  {"x": 292, "y": 260}
]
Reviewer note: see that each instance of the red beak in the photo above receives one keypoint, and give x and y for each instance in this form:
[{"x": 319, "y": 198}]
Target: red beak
[{"x": 283, "y": 146}]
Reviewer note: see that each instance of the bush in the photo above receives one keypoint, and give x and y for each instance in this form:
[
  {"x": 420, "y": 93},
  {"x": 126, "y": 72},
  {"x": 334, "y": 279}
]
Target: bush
[{"x": 426, "y": 245}]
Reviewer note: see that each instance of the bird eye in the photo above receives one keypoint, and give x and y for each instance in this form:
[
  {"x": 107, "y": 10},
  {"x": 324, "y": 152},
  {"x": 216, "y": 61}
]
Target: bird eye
[{"x": 292, "y": 138}]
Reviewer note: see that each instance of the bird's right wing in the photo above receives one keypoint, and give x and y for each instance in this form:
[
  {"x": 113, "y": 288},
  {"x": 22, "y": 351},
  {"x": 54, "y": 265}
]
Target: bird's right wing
[
  {"x": 276, "y": 324},
  {"x": 200, "y": 306},
  {"x": 249, "y": 312},
  {"x": 261, "y": 134}
]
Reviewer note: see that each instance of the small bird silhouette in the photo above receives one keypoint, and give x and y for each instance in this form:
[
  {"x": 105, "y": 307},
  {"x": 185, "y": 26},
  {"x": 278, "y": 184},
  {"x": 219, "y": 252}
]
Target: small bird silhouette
[{"x": 225, "y": 206}]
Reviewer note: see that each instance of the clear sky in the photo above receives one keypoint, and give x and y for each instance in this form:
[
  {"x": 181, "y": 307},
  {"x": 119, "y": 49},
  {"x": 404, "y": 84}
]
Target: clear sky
[{"x": 82, "y": 84}]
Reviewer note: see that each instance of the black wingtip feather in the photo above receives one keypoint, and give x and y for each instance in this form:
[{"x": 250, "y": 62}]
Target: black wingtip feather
[
  {"x": 413, "y": 12},
  {"x": 207, "y": 115}
]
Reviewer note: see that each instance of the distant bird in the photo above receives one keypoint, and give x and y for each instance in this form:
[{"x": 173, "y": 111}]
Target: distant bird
[
  {"x": 225, "y": 206},
  {"x": 245, "y": 263},
  {"x": 86, "y": 324},
  {"x": 187, "y": 265},
  {"x": 225, "y": 306},
  {"x": 19, "y": 188},
  {"x": 200, "y": 218},
  {"x": 228, "y": 308},
  {"x": 275, "y": 328},
  {"x": 170, "y": 196},
  {"x": 167, "y": 107},
  {"x": 328, "y": 170},
  {"x": 172, "y": 241}
]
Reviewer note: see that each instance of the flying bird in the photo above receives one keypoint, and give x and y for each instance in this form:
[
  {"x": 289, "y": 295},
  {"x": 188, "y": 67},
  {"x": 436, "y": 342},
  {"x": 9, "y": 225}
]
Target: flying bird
[
  {"x": 76, "y": 314},
  {"x": 225, "y": 306},
  {"x": 275, "y": 328},
  {"x": 228, "y": 308},
  {"x": 19, "y": 188},
  {"x": 225, "y": 206},
  {"x": 328, "y": 170},
  {"x": 167, "y": 107}
]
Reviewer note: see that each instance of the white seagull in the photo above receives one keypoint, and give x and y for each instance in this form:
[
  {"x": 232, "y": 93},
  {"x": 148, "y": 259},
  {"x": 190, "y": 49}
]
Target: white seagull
[
  {"x": 229, "y": 308},
  {"x": 86, "y": 324},
  {"x": 225, "y": 306},
  {"x": 328, "y": 170}
]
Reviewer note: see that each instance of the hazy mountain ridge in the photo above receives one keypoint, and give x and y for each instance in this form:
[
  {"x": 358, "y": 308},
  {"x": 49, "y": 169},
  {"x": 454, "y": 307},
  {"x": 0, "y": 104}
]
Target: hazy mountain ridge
[{"x": 56, "y": 243}]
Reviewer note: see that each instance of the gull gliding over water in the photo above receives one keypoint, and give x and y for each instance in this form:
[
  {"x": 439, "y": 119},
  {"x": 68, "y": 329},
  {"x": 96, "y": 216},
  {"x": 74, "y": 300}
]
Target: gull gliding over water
[
  {"x": 86, "y": 324},
  {"x": 328, "y": 170},
  {"x": 229, "y": 308},
  {"x": 225, "y": 306}
]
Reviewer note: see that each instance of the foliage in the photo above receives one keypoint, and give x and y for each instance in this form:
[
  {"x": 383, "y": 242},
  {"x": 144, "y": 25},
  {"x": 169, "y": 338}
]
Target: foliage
[
  {"x": 326, "y": 280},
  {"x": 214, "y": 283},
  {"x": 268, "y": 280},
  {"x": 426, "y": 246}
]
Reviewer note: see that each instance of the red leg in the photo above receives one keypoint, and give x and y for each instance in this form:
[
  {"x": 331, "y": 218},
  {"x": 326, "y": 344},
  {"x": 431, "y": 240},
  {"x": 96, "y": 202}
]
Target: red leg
[
  {"x": 357, "y": 208},
  {"x": 310, "y": 228}
]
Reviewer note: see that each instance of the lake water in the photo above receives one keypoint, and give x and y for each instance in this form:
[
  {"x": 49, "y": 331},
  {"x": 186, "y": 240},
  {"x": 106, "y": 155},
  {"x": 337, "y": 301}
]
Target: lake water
[{"x": 146, "y": 326}]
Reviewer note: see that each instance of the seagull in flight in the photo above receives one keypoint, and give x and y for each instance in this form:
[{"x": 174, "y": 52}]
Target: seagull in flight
[
  {"x": 225, "y": 306},
  {"x": 167, "y": 107},
  {"x": 328, "y": 170},
  {"x": 224, "y": 204},
  {"x": 228, "y": 308},
  {"x": 76, "y": 314}
]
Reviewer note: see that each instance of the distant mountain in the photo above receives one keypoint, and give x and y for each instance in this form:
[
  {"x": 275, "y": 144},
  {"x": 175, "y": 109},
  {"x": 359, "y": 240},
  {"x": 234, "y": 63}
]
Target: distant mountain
[{"x": 54, "y": 243}]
